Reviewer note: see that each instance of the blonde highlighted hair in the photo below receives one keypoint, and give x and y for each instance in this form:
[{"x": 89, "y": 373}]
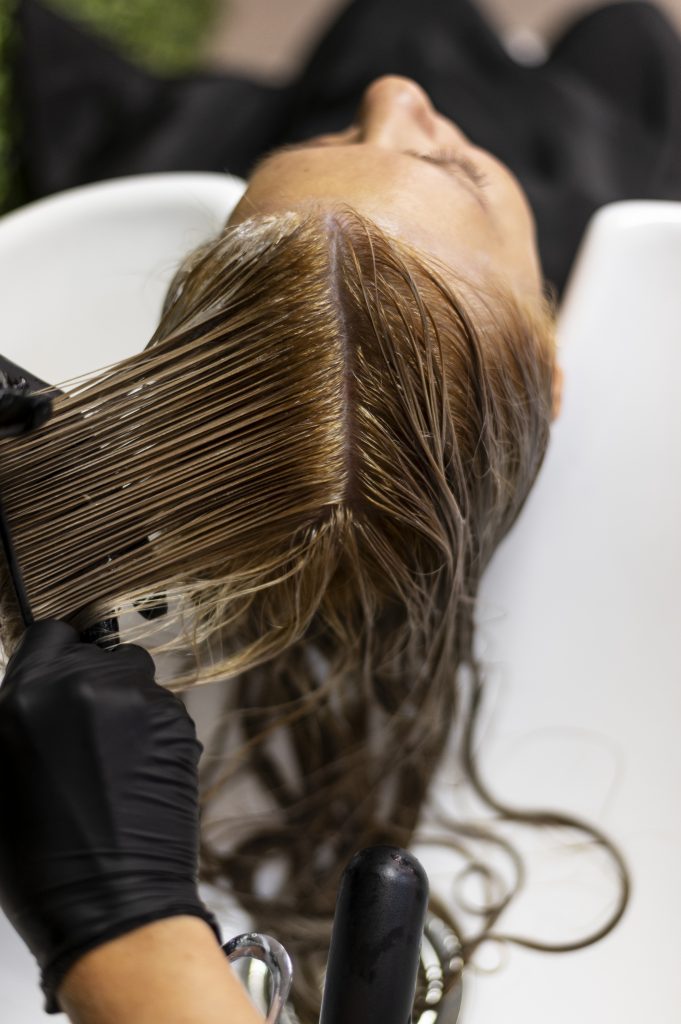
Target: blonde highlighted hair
[{"x": 319, "y": 450}]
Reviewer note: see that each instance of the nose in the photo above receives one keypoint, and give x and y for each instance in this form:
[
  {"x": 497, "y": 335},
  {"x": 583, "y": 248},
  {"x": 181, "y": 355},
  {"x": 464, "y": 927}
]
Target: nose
[{"x": 395, "y": 111}]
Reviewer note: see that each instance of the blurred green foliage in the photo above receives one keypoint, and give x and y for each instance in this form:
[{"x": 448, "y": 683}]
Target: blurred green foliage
[
  {"x": 164, "y": 36},
  {"x": 10, "y": 193}
]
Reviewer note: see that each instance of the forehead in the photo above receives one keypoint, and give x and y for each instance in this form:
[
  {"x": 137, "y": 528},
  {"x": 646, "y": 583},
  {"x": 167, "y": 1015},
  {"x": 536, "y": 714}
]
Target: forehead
[
  {"x": 368, "y": 165},
  {"x": 418, "y": 202},
  {"x": 453, "y": 168}
]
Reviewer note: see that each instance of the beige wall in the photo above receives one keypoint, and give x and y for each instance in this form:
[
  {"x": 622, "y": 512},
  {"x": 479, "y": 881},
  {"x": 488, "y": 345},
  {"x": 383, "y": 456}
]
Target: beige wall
[
  {"x": 548, "y": 16},
  {"x": 269, "y": 37}
]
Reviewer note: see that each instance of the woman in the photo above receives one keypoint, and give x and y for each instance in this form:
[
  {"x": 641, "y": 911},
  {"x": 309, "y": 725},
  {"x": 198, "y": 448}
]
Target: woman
[
  {"x": 338, "y": 419},
  {"x": 340, "y": 415}
]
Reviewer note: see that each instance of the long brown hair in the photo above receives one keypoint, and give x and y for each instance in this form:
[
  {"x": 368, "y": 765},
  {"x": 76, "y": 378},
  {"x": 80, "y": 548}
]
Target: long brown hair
[{"x": 311, "y": 465}]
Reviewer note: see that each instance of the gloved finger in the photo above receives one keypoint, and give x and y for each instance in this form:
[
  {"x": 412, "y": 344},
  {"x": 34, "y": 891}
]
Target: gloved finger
[
  {"x": 47, "y": 635},
  {"x": 134, "y": 658},
  {"x": 20, "y": 413}
]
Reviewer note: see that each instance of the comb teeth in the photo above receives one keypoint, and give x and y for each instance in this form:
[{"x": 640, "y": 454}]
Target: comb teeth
[
  {"x": 150, "y": 611},
  {"x": 106, "y": 629}
]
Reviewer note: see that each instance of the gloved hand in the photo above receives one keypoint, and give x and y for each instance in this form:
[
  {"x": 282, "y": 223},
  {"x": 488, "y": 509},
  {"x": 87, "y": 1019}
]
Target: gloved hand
[
  {"x": 99, "y": 811},
  {"x": 20, "y": 411}
]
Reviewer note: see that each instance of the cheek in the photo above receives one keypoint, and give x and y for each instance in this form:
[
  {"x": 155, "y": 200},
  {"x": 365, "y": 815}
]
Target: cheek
[{"x": 511, "y": 212}]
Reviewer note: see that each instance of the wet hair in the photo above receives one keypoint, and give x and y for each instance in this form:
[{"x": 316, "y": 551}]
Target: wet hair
[{"x": 308, "y": 470}]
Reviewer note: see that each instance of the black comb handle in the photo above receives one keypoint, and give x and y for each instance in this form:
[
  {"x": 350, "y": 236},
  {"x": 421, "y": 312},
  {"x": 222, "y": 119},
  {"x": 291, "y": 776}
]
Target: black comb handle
[{"x": 376, "y": 940}]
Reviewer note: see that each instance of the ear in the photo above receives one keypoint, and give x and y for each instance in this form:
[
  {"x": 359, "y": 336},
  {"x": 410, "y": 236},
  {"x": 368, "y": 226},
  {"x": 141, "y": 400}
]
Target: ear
[{"x": 557, "y": 392}]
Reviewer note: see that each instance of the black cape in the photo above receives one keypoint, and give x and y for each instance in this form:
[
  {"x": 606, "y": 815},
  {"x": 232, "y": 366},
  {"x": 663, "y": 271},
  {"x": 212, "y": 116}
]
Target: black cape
[{"x": 599, "y": 121}]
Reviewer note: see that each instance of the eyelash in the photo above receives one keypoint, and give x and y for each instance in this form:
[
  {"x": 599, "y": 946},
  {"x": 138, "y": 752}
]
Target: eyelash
[{"x": 445, "y": 156}]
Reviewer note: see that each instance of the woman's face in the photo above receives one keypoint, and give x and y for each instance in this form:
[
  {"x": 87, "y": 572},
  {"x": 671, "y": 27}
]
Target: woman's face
[
  {"x": 419, "y": 177},
  {"x": 401, "y": 164}
]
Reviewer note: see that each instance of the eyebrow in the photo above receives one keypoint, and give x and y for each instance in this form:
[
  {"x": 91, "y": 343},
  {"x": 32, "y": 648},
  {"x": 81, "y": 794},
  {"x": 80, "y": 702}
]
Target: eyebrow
[{"x": 452, "y": 171}]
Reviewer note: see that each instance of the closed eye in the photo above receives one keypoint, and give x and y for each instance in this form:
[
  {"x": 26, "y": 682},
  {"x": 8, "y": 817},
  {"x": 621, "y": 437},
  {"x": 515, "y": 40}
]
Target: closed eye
[{"x": 445, "y": 158}]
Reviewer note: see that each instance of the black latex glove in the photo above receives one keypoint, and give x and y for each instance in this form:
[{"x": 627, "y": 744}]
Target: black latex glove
[
  {"x": 98, "y": 798},
  {"x": 21, "y": 411}
]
